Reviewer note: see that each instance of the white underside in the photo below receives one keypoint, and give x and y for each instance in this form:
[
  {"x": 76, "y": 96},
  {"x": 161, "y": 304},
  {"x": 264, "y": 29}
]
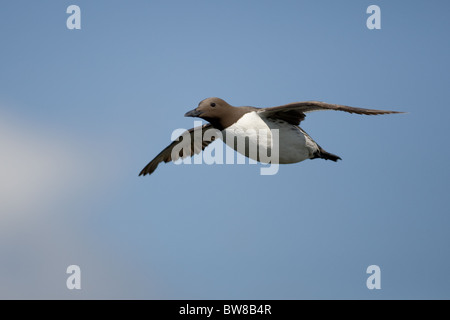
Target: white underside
[{"x": 293, "y": 145}]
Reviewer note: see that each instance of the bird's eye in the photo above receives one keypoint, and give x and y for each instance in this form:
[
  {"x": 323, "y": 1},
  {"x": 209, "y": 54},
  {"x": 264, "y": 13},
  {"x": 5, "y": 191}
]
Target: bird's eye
[{"x": 212, "y": 104}]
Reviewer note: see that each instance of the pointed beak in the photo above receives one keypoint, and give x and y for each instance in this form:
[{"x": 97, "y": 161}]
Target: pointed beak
[{"x": 193, "y": 113}]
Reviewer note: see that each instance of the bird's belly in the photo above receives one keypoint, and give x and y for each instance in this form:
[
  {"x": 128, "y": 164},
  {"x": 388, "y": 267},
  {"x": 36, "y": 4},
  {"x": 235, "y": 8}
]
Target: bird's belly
[
  {"x": 293, "y": 146},
  {"x": 269, "y": 141}
]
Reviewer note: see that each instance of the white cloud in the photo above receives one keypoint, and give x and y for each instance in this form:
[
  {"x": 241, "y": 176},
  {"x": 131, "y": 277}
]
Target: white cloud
[
  {"x": 46, "y": 180},
  {"x": 35, "y": 168}
]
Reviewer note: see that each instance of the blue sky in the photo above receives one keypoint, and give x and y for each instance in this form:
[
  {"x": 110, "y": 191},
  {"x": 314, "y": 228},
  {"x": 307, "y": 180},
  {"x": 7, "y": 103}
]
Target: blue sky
[{"x": 83, "y": 111}]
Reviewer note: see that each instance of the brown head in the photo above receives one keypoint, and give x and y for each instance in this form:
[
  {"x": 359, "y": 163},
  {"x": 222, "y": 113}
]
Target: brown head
[{"x": 218, "y": 112}]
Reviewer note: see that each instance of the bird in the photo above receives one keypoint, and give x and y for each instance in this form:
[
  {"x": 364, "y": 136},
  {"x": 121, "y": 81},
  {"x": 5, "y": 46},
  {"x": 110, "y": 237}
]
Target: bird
[{"x": 229, "y": 122}]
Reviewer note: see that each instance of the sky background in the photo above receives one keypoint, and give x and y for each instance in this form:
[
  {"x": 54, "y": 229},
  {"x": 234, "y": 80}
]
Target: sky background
[{"x": 83, "y": 111}]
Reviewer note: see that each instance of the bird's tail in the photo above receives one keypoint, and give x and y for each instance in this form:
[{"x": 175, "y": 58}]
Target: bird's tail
[{"x": 322, "y": 154}]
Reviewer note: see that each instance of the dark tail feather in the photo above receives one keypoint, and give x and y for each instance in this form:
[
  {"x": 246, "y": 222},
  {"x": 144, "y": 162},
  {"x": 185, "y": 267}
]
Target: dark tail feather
[{"x": 322, "y": 154}]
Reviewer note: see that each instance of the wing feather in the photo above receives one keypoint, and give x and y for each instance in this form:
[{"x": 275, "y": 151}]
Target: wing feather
[
  {"x": 294, "y": 112},
  {"x": 186, "y": 143}
]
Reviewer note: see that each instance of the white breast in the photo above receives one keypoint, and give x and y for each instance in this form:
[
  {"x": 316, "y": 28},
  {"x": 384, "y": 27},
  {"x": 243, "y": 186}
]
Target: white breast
[{"x": 254, "y": 136}]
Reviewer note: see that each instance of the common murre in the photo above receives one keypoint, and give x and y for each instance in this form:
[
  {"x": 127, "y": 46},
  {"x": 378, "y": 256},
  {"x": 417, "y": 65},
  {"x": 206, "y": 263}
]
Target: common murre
[{"x": 256, "y": 125}]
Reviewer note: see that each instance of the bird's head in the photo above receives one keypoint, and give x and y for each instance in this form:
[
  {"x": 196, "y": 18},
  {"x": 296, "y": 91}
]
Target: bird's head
[{"x": 212, "y": 110}]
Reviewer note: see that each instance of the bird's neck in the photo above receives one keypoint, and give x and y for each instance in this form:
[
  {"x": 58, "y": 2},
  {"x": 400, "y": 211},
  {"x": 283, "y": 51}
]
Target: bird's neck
[{"x": 216, "y": 123}]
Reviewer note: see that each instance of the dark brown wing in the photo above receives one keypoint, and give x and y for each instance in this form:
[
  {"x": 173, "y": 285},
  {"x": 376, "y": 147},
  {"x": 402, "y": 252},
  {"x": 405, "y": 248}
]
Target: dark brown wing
[
  {"x": 294, "y": 113},
  {"x": 184, "y": 148}
]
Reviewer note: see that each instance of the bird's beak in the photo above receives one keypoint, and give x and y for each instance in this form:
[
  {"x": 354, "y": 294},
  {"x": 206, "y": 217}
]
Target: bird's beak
[{"x": 193, "y": 113}]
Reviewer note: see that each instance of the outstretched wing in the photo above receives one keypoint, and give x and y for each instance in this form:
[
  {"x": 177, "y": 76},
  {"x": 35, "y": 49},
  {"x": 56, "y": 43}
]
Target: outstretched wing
[
  {"x": 294, "y": 113},
  {"x": 184, "y": 146}
]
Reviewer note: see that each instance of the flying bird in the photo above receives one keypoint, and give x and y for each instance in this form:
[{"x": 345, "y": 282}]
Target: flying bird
[{"x": 293, "y": 143}]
